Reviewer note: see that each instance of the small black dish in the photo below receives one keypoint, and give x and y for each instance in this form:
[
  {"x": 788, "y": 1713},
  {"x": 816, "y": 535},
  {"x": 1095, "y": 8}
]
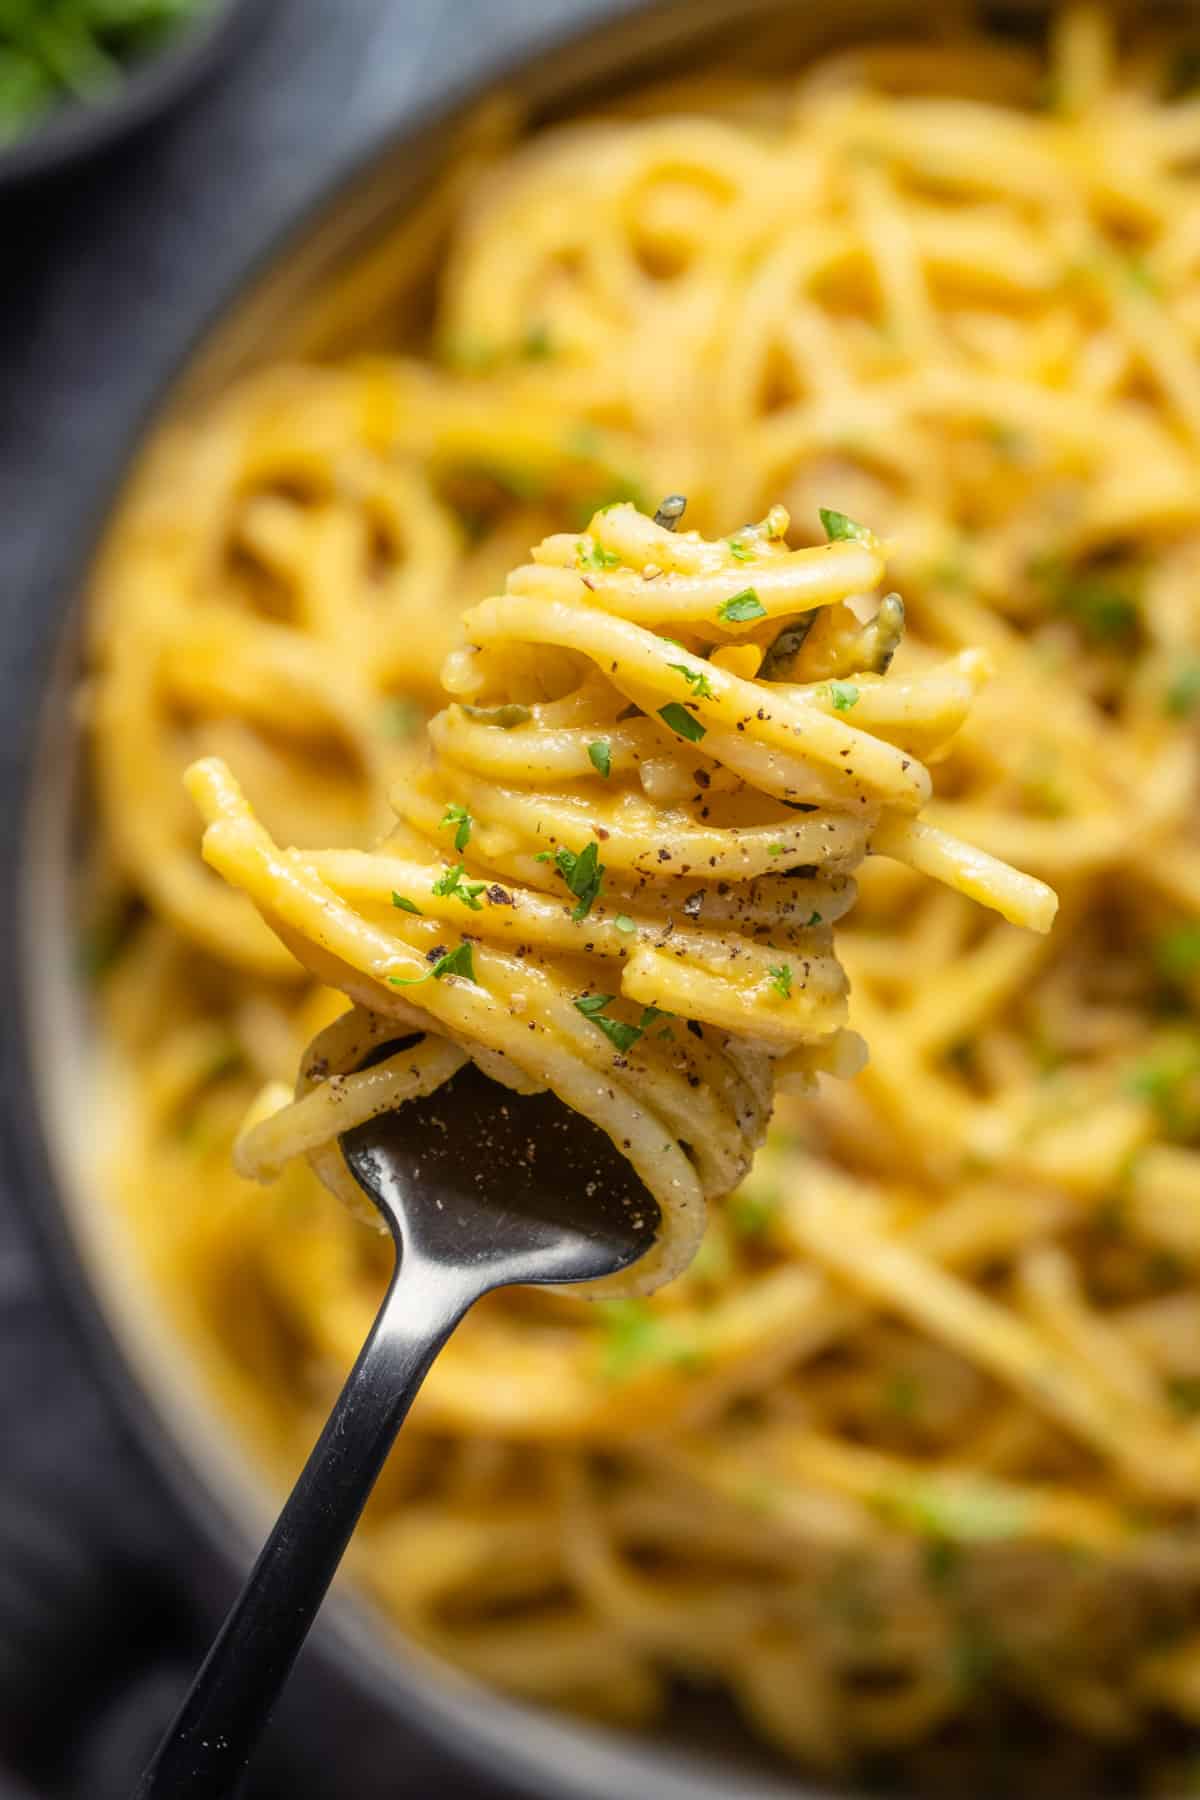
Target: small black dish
[{"x": 79, "y": 128}]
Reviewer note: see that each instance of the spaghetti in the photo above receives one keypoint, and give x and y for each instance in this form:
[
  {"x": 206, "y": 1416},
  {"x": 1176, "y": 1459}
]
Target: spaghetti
[
  {"x": 585, "y": 732},
  {"x": 914, "y": 1439}
]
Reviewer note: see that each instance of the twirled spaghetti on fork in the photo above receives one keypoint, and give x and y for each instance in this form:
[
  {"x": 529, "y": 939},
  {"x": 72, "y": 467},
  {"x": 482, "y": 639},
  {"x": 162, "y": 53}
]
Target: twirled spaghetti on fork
[{"x": 619, "y": 874}]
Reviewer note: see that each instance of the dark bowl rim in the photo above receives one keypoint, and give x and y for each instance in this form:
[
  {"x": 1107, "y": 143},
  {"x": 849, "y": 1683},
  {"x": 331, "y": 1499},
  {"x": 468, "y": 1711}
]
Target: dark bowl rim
[
  {"x": 469, "y": 1722},
  {"x": 79, "y": 128}
]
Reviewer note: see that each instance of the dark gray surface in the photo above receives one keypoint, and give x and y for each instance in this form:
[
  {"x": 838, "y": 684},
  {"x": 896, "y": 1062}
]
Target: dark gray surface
[{"x": 107, "y": 272}]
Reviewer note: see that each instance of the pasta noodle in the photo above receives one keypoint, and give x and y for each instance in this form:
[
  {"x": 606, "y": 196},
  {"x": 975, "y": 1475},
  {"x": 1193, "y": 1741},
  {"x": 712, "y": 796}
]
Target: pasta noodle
[
  {"x": 713, "y": 782},
  {"x": 909, "y": 1455}
]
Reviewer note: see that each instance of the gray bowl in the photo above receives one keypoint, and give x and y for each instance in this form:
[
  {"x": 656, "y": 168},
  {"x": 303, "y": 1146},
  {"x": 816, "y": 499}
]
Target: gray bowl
[
  {"x": 78, "y": 129},
  {"x": 364, "y": 1705}
]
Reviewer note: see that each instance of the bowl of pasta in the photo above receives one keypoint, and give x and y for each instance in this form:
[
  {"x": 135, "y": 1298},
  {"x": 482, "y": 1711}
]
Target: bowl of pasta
[{"x": 895, "y": 1482}]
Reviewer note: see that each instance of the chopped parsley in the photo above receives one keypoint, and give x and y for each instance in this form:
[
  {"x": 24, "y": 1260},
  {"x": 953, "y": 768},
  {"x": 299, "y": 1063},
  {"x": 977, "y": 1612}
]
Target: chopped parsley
[
  {"x": 751, "y": 1209},
  {"x": 740, "y": 608},
  {"x": 537, "y": 345},
  {"x": 1102, "y": 602},
  {"x": 103, "y": 940},
  {"x": 406, "y": 904},
  {"x": 400, "y": 717},
  {"x": 472, "y": 355},
  {"x": 682, "y": 721},
  {"x": 1183, "y": 1391},
  {"x": 1183, "y": 691},
  {"x": 600, "y": 757},
  {"x": 1103, "y": 607},
  {"x": 844, "y": 695},
  {"x": 1166, "y": 1080},
  {"x": 814, "y": 920},
  {"x": 510, "y": 478},
  {"x": 901, "y": 1395},
  {"x": 951, "y": 571},
  {"x": 455, "y": 962},
  {"x": 740, "y": 550},
  {"x": 838, "y": 527},
  {"x": 1177, "y": 952},
  {"x": 1006, "y": 440},
  {"x": 959, "y": 1508},
  {"x": 1140, "y": 275},
  {"x": 590, "y": 555},
  {"x": 696, "y": 679},
  {"x": 624, "y": 923},
  {"x": 450, "y": 885},
  {"x": 974, "y": 1657},
  {"x": 776, "y": 849},
  {"x": 781, "y": 980},
  {"x": 460, "y": 818},
  {"x": 619, "y": 1034},
  {"x": 636, "y": 1338},
  {"x": 584, "y": 441},
  {"x": 228, "y": 1059},
  {"x": 583, "y": 874},
  {"x": 942, "y": 1561},
  {"x": 1042, "y": 787}
]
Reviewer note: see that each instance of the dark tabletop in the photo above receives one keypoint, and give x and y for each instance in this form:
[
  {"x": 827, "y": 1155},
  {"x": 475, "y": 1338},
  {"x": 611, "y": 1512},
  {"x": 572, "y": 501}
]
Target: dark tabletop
[{"x": 102, "y": 272}]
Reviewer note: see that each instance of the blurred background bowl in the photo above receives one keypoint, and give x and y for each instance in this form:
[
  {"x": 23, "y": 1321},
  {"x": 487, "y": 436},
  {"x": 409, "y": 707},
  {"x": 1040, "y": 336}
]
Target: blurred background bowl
[{"x": 77, "y": 127}]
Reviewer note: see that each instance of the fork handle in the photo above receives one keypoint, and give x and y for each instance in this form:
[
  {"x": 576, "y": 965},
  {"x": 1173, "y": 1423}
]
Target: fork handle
[{"x": 206, "y": 1749}]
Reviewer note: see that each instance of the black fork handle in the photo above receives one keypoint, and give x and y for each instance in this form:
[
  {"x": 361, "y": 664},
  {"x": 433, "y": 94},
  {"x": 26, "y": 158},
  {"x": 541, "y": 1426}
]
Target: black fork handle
[{"x": 207, "y": 1748}]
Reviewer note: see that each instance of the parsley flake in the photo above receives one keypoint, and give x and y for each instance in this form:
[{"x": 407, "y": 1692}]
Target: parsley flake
[
  {"x": 103, "y": 941},
  {"x": 583, "y": 874},
  {"x": 1006, "y": 440},
  {"x": 696, "y": 679},
  {"x": 455, "y": 962},
  {"x": 752, "y": 1208},
  {"x": 682, "y": 721},
  {"x": 740, "y": 550},
  {"x": 460, "y": 818},
  {"x": 781, "y": 980},
  {"x": 740, "y": 608},
  {"x": 1166, "y": 1080},
  {"x": 814, "y": 920},
  {"x": 1102, "y": 602},
  {"x": 838, "y": 527},
  {"x": 620, "y": 1035},
  {"x": 636, "y": 1338},
  {"x": 1177, "y": 953},
  {"x": 590, "y": 555},
  {"x": 1183, "y": 691},
  {"x": 600, "y": 756},
  {"x": 405, "y": 904},
  {"x": 450, "y": 885},
  {"x": 961, "y": 1509},
  {"x": 537, "y": 344},
  {"x": 624, "y": 923},
  {"x": 1183, "y": 1392},
  {"x": 400, "y": 718},
  {"x": 1140, "y": 275},
  {"x": 844, "y": 695}
]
